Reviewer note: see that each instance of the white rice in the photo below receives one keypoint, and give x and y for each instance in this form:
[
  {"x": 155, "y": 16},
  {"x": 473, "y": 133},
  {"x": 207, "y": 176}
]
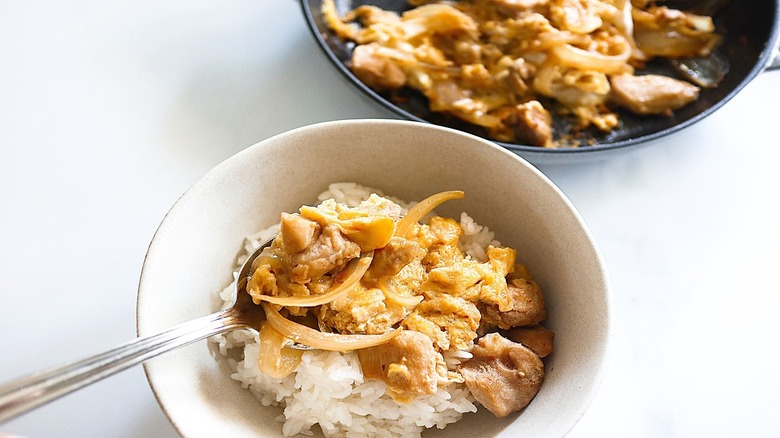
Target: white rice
[{"x": 328, "y": 390}]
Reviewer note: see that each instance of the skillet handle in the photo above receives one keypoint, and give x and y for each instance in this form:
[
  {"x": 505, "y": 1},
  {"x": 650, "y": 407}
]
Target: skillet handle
[
  {"x": 774, "y": 64},
  {"x": 774, "y": 61}
]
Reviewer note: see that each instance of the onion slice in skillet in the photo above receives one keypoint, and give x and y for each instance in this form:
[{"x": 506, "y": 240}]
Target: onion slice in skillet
[{"x": 571, "y": 56}]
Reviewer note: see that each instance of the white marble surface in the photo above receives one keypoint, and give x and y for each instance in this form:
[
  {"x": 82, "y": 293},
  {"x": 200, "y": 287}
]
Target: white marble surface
[{"x": 110, "y": 110}]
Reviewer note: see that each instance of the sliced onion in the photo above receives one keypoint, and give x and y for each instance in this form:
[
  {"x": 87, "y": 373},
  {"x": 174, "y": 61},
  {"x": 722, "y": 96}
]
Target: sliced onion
[
  {"x": 355, "y": 271},
  {"x": 572, "y": 56},
  {"x": 275, "y": 359},
  {"x": 545, "y": 76},
  {"x": 323, "y": 341},
  {"x": 670, "y": 43},
  {"x": 375, "y": 361},
  {"x": 403, "y": 300},
  {"x": 422, "y": 208}
]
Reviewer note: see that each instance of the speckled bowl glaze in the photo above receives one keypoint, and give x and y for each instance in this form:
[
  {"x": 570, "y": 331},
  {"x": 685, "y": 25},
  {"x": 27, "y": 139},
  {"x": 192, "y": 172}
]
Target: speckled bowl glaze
[{"x": 193, "y": 252}]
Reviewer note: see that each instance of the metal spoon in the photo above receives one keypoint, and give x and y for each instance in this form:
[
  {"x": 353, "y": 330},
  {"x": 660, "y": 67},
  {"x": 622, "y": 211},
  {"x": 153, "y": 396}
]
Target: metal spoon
[{"x": 27, "y": 393}]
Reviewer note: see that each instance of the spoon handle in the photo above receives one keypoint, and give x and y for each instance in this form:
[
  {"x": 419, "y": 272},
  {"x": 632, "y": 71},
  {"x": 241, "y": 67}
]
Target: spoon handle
[{"x": 26, "y": 393}]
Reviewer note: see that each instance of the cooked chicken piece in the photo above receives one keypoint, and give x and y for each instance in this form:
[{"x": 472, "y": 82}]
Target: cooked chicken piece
[
  {"x": 527, "y": 306},
  {"x": 529, "y": 123},
  {"x": 409, "y": 364},
  {"x": 297, "y": 232},
  {"x": 538, "y": 338},
  {"x": 375, "y": 70},
  {"x": 389, "y": 261},
  {"x": 534, "y": 124},
  {"x": 329, "y": 250},
  {"x": 503, "y": 376},
  {"x": 652, "y": 94}
]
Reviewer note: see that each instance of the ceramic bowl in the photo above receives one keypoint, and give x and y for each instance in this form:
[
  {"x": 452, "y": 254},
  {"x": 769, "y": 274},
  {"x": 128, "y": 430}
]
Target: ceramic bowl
[{"x": 192, "y": 256}]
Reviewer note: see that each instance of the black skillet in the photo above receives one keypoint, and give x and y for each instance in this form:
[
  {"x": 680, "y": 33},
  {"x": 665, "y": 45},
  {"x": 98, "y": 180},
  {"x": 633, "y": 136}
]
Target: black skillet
[{"x": 750, "y": 30}]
